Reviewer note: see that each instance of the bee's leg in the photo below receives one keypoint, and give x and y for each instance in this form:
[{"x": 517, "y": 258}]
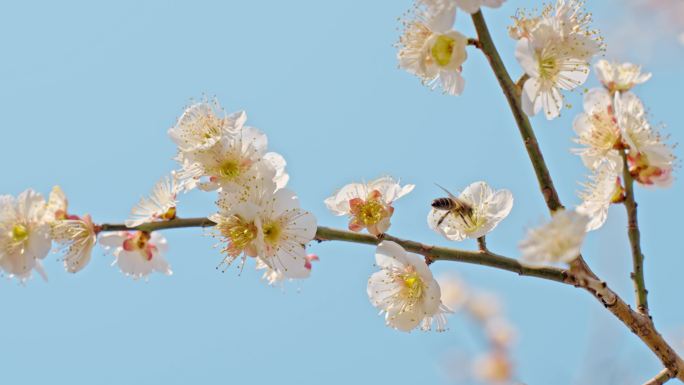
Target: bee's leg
[
  {"x": 439, "y": 222},
  {"x": 465, "y": 218}
]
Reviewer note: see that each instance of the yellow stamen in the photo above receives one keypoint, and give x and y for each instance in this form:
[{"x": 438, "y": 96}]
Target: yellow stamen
[
  {"x": 230, "y": 169},
  {"x": 371, "y": 212},
  {"x": 413, "y": 285},
  {"x": 240, "y": 232},
  {"x": 443, "y": 49},
  {"x": 548, "y": 67},
  {"x": 19, "y": 233},
  {"x": 272, "y": 232}
]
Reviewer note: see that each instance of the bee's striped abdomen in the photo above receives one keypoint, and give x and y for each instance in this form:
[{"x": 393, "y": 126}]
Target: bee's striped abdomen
[{"x": 443, "y": 204}]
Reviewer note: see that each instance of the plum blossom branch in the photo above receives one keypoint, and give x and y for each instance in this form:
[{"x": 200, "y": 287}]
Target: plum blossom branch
[
  {"x": 664, "y": 376},
  {"x": 437, "y": 253},
  {"x": 512, "y": 93},
  {"x": 484, "y": 258},
  {"x": 634, "y": 238},
  {"x": 638, "y": 323},
  {"x": 579, "y": 276}
]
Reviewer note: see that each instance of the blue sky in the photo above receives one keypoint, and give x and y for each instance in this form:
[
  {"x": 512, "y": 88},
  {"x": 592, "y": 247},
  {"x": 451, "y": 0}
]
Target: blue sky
[{"x": 88, "y": 90}]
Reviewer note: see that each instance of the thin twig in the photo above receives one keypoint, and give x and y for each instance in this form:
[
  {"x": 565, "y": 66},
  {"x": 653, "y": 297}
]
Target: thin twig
[
  {"x": 433, "y": 253},
  {"x": 664, "y": 376},
  {"x": 634, "y": 238},
  {"x": 513, "y": 96},
  {"x": 474, "y": 42}
]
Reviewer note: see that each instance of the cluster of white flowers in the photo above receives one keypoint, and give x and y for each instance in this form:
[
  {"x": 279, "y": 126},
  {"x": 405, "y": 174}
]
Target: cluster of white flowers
[
  {"x": 215, "y": 150},
  {"x": 29, "y": 225},
  {"x": 614, "y": 120},
  {"x": 554, "y": 49},
  {"x": 404, "y": 288},
  {"x": 257, "y": 216}
]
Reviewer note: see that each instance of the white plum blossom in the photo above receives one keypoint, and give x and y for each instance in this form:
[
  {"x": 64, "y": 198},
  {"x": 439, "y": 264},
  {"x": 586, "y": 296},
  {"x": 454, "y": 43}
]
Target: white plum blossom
[
  {"x": 603, "y": 189},
  {"x": 597, "y": 129},
  {"x": 268, "y": 225},
  {"x": 238, "y": 157},
  {"x": 24, "y": 234},
  {"x": 620, "y": 77},
  {"x": 558, "y": 240},
  {"x": 57, "y": 206},
  {"x": 275, "y": 277},
  {"x": 432, "y": 50},
  {"x": 487, "y": 209},
  {"x": 138, "y": 254},
  {"x": 650, "y": 159},
  {"x": 470, "y": 6},
  {"x": 369, "y": 205},
  {"x": 201, "y": 126},
  {"x": 554, "y": 50},
  {"x": 160, "y": 205},
  {"x": 405, "y": 291},
  {"x": 78, "y": 237}
]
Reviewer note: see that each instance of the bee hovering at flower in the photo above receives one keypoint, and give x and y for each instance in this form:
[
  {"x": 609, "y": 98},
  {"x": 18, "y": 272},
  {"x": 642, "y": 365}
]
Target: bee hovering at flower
[
  {"x": 475, "y": 212},
  {"x": 452, "y": 205}
]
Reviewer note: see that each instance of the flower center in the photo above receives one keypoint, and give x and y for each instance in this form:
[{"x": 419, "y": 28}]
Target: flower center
[
  {"x": 240, "y": 232},
  {"x": 413, "y": 286},
  {"x": 272, "y": 232},
  {"x": 208, "y": 127},
  {"x": 230, "y": 169},
  {"x": 605, "y": 134},
  {"x": 548, "y": 67},
  {"x": 139, "y": 241},
  {"x": 371, "y": 212},
  {"x": 19, "y": 233},
  {"x": 443, "y": 49}
]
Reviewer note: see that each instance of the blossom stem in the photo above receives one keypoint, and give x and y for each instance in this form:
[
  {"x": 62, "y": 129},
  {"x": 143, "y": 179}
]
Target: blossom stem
[
  {"x": 512, "y": 93},
  {"x": 437, "y": 253},
  {"x": 434, "y": 253},
  {"x": 482, "y": 243},
  {"x": 664, "y": 376},
  {"x": 162, "y": 225},
  {"x": 475, "y": 43},
  {"x": 634, "y": 238}
]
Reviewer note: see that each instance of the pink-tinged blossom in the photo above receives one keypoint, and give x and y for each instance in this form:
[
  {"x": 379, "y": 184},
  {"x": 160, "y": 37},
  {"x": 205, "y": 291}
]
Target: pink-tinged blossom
[
  {"x": 368, "y": 205},
  {"x": 138, "y": 253}
]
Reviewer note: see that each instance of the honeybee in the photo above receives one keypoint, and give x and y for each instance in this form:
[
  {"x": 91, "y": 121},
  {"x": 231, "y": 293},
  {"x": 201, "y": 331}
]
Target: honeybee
[{"x": 452, "y": 205}]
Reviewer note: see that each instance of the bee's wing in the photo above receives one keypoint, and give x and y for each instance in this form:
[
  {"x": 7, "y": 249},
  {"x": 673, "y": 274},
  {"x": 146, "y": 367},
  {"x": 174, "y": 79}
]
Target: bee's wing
[{"x": 447, "y": 191}]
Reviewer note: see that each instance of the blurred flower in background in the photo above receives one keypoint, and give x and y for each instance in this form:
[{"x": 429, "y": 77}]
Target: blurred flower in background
[{"x": 491, "y": 362}]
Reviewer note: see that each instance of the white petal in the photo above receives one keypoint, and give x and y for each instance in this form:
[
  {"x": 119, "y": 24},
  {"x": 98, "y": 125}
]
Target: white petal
[
  {"x": 389, "y": 254},
  {"x": 525, "y": 54}
]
